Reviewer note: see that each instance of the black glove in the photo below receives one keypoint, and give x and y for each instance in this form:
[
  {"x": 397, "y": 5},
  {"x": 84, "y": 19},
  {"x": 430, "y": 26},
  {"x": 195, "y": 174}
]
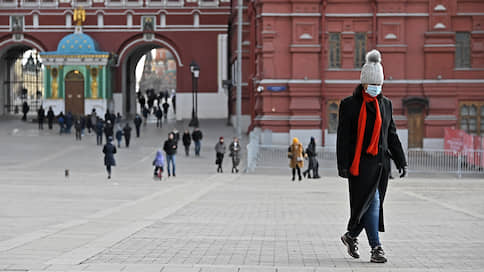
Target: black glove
[
  {"x": 403, "y": 172},
  {"x": 344, "y": 173}
]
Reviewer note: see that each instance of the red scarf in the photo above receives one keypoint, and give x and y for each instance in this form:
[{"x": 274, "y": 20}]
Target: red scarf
[{"x": 375, "y": 137}]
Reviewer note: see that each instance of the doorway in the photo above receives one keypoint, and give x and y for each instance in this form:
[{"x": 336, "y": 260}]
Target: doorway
[
  {"x": 74, "y": 93},
  {"x": 415, "y": 126}
]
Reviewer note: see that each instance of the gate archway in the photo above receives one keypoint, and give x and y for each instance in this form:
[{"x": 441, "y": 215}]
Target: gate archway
[{"x": 74, "y": 93}]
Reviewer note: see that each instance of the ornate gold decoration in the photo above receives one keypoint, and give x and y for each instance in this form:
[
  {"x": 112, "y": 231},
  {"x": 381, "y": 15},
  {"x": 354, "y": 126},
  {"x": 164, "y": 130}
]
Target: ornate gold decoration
[
  {"x": 94, "y": 86},
  {"x": 79, "y": 15},
  {"x": 55, "y": 86}
]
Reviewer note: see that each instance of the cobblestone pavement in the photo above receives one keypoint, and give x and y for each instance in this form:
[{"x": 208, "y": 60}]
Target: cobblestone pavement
[{"x": 202, "y": 221}]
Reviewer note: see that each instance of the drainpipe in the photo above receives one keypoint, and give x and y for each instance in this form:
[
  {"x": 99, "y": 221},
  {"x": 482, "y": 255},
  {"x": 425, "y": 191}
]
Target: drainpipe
[
  {"x": 322, "y": 28},
  {"x": 238, "y": 105}
]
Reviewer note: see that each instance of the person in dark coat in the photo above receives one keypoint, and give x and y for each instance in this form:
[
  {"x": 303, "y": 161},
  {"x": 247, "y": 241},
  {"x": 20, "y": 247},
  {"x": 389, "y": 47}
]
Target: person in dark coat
[
  {"x": 99, "y": 131},
  {"x": 109, "y": 150},
  {"x": 61, "y": 121},
  {"x": 170, "y": 148},
  {"x": 145, "y": 113},
  {"x": 82, "y": 119},
  {"x": 176, "y": 135},
  {"x": 159, "y": 115},
  {"x": 187, "y": 140},
  {"x": 197, "y": 139},
  {"x": 50, "y": 117},
  {"x": 25, "y": 110},
  {"x": 127, "y": 134},
  {"x": 366, "y": 139},
  {"x": 40, "y": 117},
  {"x": 313, "y": 164},
  {"x": 119, "y": 135},
  {"x": 78, "y": 128},
  {"x": 159, "y": 99},
  {"x": 173, "y": 102},
  {"x": 89, "y": 124},
  {"x": 69, "y": 120},
  {"x": 107, "y": 116},
  {"x": 137, "y": 124},
  {"x": 108, "y": 130},
  {"x": 166, "y": 106},
  {"x": 93, "y": 117},
  {"x": 219, "y": 154},
  {"x": 235, "y": 154},
  {"x": 118, "y": 118},
  {"x": 142, "y": 101}
]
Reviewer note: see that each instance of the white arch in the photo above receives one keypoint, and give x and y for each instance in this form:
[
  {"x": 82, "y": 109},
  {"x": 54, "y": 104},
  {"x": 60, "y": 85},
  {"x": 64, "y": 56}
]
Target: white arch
[{"x": 155, "y": 40}]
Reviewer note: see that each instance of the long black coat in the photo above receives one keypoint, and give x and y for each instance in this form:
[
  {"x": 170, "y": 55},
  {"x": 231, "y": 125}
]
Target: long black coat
[
  {"x": 109, "y": 150},
  {"x": 374, "y": 170}
]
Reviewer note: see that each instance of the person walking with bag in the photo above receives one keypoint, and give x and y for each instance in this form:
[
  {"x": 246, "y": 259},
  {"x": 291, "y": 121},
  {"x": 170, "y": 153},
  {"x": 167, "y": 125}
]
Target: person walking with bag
[
  {"x": 235, "y": 154},
  {"x": 127, "y": 134},
  {"x": 197, "y": 140},
  {"x": 295, "y": 153},
  {"x": 366, "y": 138},
  {"x": 219, "y": 153}
]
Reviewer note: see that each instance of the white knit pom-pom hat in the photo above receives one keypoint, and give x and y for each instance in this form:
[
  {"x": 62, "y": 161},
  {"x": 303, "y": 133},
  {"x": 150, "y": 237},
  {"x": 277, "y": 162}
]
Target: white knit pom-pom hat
[{"x": 372, "y": 71}]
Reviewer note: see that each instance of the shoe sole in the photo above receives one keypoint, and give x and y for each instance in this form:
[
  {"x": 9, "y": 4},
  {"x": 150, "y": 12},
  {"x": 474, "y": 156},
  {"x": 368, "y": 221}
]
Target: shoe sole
[
  {"x": 348, "y": 248},
  {"x": 378, "y": 261}
]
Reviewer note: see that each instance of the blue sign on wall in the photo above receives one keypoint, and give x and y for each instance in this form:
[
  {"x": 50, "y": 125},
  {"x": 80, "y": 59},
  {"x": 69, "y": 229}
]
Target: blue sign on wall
[{"x": 276, "y": 88}]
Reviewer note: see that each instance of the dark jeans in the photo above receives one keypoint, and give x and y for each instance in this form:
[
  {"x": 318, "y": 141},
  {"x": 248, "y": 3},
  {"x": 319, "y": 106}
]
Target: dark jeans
[
  {"x": 170, "y": 159},
  {"x": 99, "y": 139},
  {"x": 126, "y": 140},
  {"x": 78, "y": 134},
  {"x": 369, "y": 222},
  {"x": 137, "y": 131},
  {"x": 298, "y": 172},
  {"x": 41, "y": 124},
  {"x": 160, "y": 168},
  {"x": 198, "y": 145},
  {"x": 219, "y": 161},
  {"x": 108, "y": 168}
]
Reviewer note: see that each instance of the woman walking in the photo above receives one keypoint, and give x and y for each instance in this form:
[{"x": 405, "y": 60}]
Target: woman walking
[
  {"x": 220, "y": 151},
  {"x": 366, "y": 138},
  {"x": 109, "y": 150},
  {"x": 235, "y": 154},
  {"x": 296, "y": 156}
]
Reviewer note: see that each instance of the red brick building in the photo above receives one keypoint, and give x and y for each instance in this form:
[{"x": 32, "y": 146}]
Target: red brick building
[{"x": 307, "y": 54}]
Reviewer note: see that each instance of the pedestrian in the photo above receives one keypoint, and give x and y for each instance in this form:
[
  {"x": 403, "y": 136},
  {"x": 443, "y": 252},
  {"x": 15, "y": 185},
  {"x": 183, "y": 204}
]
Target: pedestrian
[
  {"x": 170, "y": 148},
  {"x": 313, "y": 164},
  {"x": 89, "y": 124},
  {"x": 365, "y": 138},
  {"x": 118, "y": 118},
  {"x": 61, "y": 122},
  {"x": 159, "y": 115},
  {"x": 109, "y": 150},
  {"x": 107, "y": 116},
  {"x": 93, "y": 118},
  {"x": 159, "y": 99},
  {"x": 235, "y": 154},
  {"x": 187, "y": 140},
  {"x": 69, "y": 120},
  {"x": 197, "y": 139},
  {"x": 142, "y": 100},
  {"x": 173, "y": 101},
  {"x": 77, "y": 127},
  {"x": 296, "y": 156},
  {"x": 158, "y": 163},
  {"x": 108, "y": 130},
  {"x": 82, "y": 119},
  {"x": 176, "y": 135},
  {"x": 166, "y": 106},
  {"x": 50, "y": 117},
  {"x": 119, "y": 135},
  {"x": 145, "y": 112},
  {"x": 25, "y": 110},
  {"x": 40, "y": 117},
  {"x": 219, "y": 154},
  {"x": 137, "y": 124},
  {"x": 99, "y": 131},
  {"x": 127, "y": 134}
]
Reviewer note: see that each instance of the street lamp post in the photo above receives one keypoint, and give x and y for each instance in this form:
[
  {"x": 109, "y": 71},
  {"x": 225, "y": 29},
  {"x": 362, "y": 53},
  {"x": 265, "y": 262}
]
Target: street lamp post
[{"x": 195, "y": 69}]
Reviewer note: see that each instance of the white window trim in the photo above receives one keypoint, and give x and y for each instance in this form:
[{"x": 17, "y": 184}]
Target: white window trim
[
  {"x": 162, "y": 20},
  {"x": 124, "y": 3},
  {"x": 35, "y": 20},
  {"x": 8, "y": 4},
  {"x": 129, "y": 20},
  {"x": 196, "y": 19},
  {"x": 100, "y": 20},
  {"x": 68, "y": 20},
  {"x": 212, "y": 3},
  {"x": 87, "y": 3}
]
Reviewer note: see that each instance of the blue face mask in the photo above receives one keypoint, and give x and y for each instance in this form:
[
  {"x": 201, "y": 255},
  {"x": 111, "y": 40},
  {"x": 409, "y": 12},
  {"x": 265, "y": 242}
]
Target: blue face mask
[{"x": 373, "y": 90}]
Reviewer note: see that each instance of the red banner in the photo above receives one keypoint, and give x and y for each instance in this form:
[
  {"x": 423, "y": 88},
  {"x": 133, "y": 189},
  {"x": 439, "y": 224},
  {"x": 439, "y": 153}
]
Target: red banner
[
  {"x": 457, "y": 141},
  {"x": 453, "y": 139}
]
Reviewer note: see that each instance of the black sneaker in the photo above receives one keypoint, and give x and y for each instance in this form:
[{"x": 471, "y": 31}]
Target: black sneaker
[
  {"x": 351, "y": 244},
  {"x": 378, "y": 255}
]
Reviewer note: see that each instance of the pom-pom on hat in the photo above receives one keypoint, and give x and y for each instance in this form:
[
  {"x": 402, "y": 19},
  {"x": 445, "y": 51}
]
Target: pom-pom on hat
[{"x": 372, "y": 71}]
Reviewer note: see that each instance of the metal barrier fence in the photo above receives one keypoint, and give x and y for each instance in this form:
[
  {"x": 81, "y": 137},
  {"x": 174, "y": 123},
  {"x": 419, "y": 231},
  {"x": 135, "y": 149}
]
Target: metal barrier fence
[
  {"x": 446, "y": 161},
  {"x": 419, "y": 160}
]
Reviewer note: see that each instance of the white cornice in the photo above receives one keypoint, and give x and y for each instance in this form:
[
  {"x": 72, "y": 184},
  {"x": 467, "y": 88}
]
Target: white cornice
[{"x": 410, "y": 81}]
